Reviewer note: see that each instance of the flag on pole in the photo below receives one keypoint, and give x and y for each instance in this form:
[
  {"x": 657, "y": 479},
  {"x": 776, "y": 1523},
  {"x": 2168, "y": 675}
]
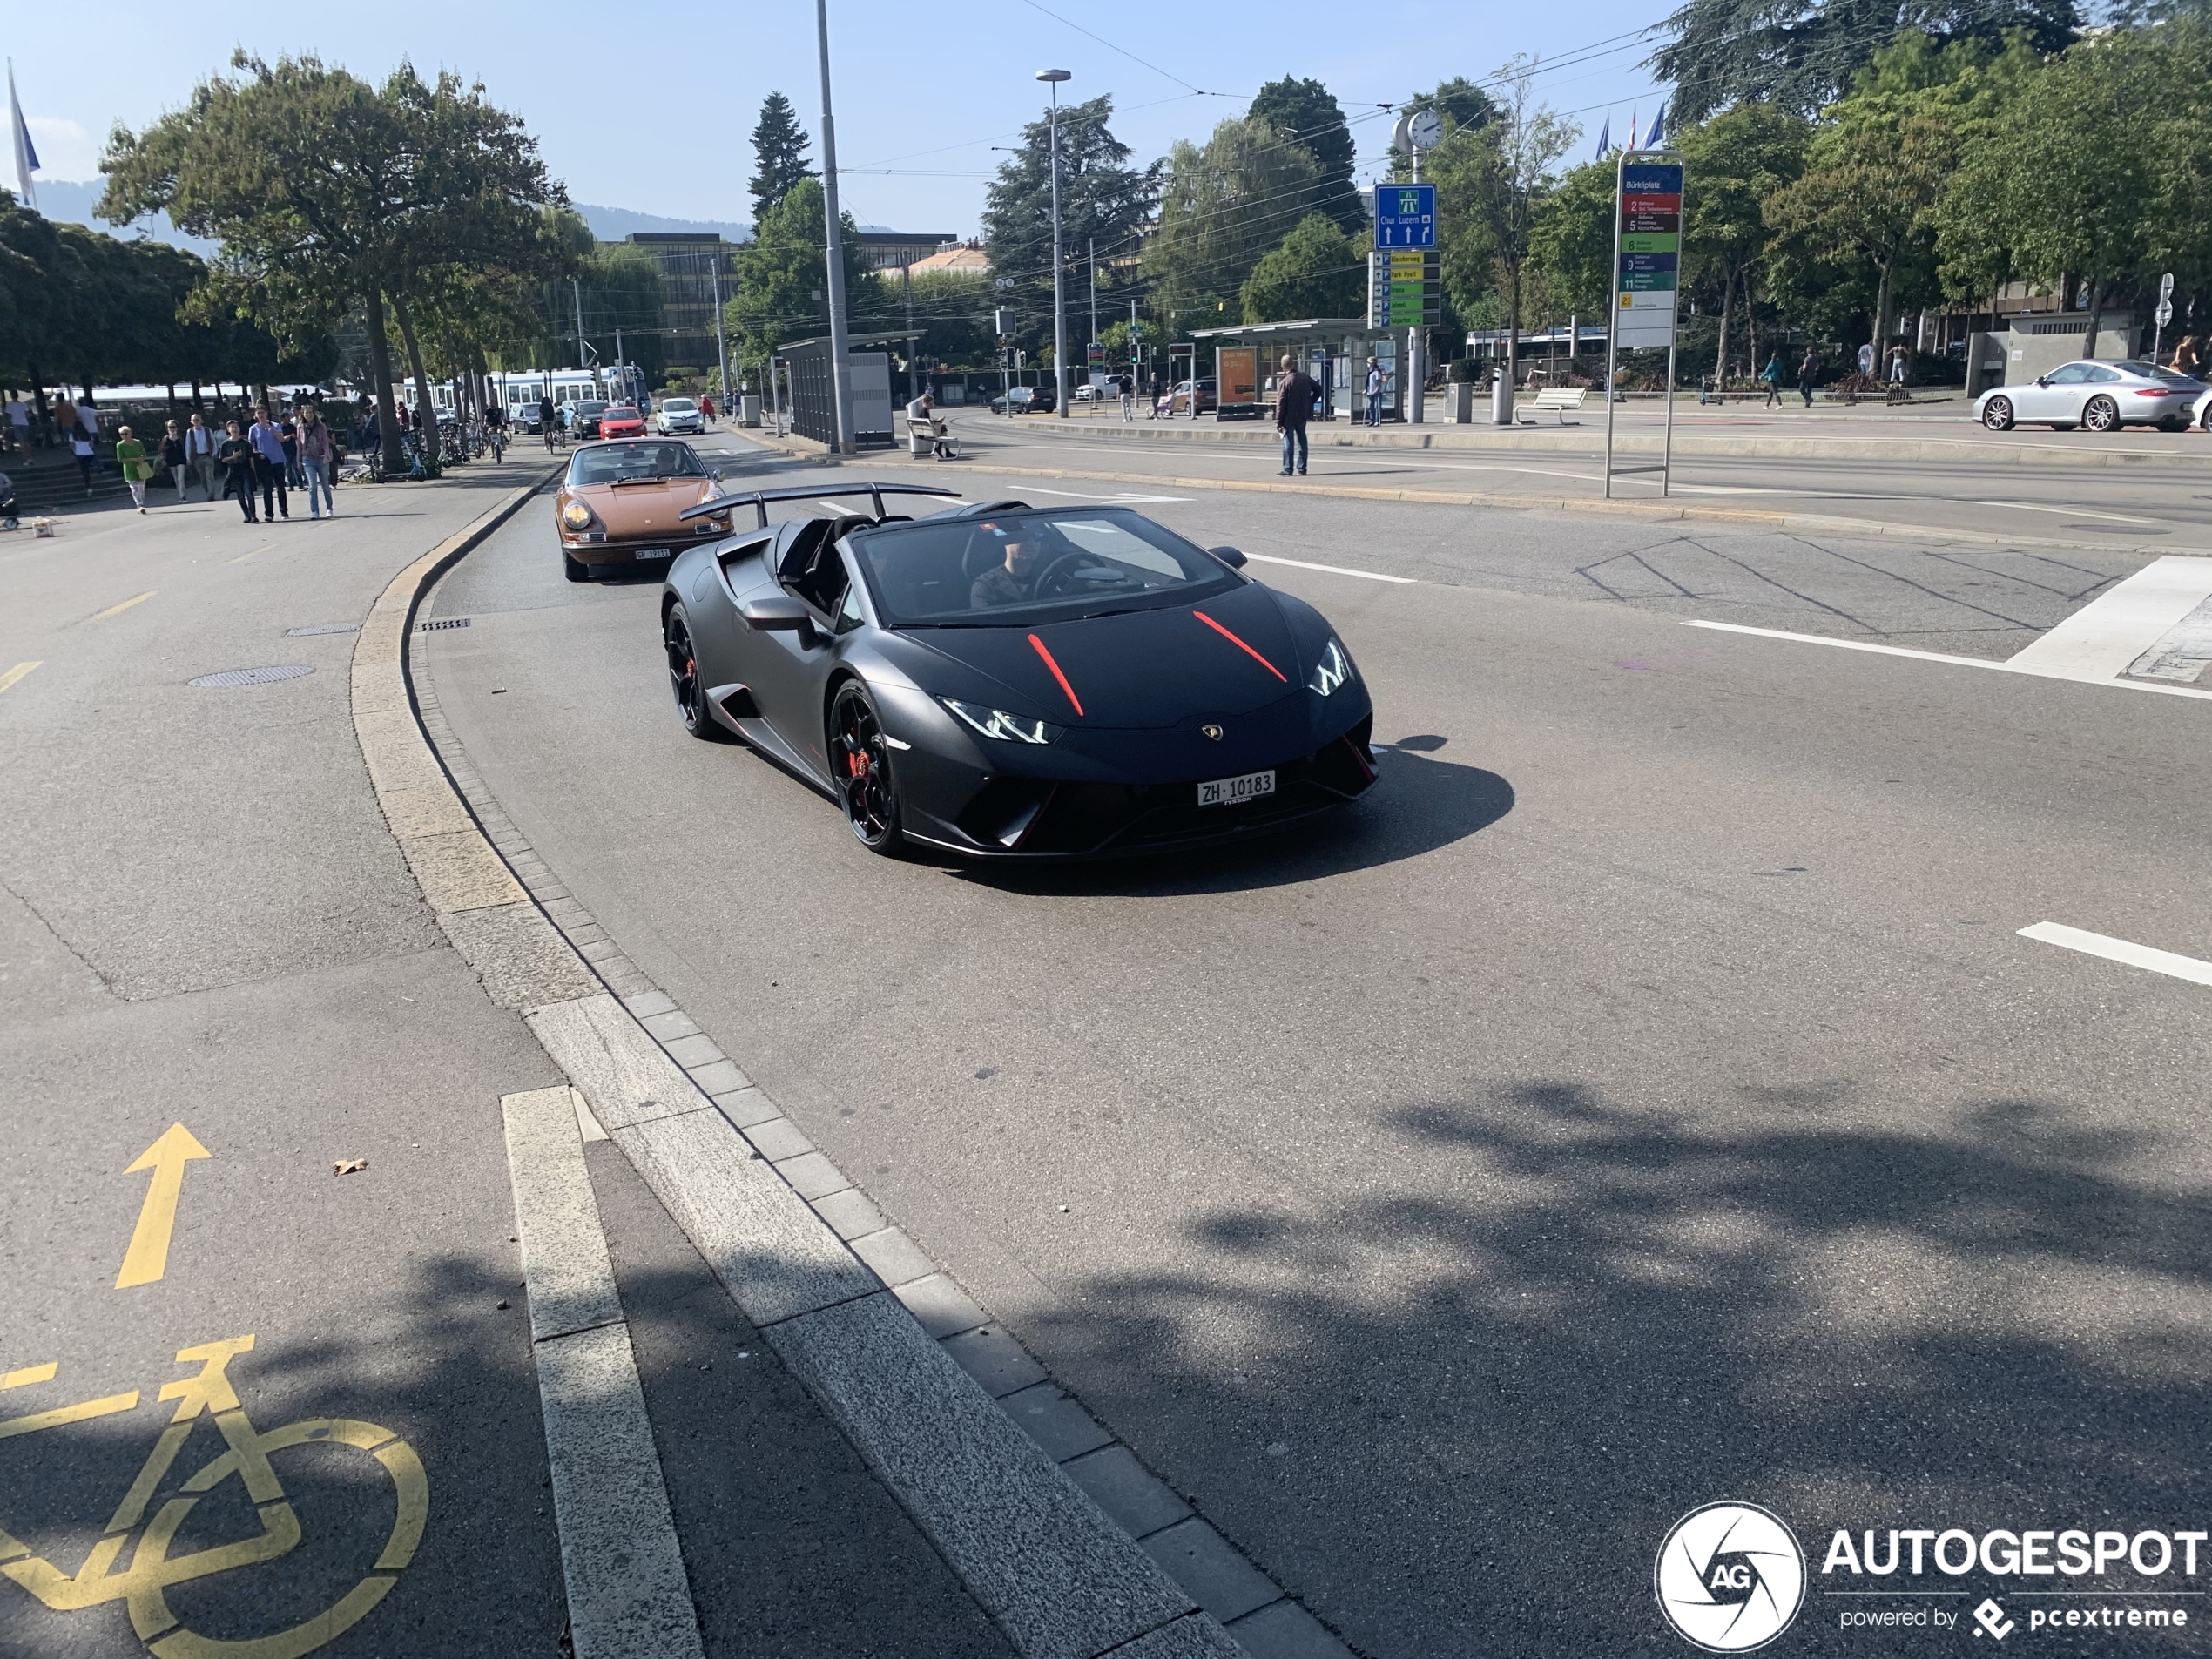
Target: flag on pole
[
  {"x": 26, "y": 153},
  {"x": 1632, "y": 126},
  {"x": 1605, "y": 138},
  {"x": 1658, "y": 129}
]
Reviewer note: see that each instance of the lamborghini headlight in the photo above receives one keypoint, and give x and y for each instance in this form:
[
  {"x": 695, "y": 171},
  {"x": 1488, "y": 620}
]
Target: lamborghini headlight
[
  {"x": 577, "y": 516},
  {"x": 997, "y": 723},
  {"x": 1333, "y": 670}
]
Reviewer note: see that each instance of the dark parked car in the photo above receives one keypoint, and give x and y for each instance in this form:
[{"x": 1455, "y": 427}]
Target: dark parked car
[
  {"x": 587, "y": 417},
  {"x": 1027, "y": 400}
]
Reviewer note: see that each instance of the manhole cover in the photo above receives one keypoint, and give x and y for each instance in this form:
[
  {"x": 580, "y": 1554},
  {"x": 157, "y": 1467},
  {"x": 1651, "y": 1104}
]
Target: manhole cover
[
  {"x": 231, "y": 677},
  {"x": 442, "y": 622},
  {"x": 324, "y": 628}
]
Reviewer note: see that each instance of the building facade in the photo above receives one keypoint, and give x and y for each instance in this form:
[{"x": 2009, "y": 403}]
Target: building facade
[{"x": 690, "y": 267}]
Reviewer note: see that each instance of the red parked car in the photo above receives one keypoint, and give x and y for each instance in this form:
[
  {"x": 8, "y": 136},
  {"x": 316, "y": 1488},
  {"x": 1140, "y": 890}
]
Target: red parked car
[{"x": 622, "y": 420}]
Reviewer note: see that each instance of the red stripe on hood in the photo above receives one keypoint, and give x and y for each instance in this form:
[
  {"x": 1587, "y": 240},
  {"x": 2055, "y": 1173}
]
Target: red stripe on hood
[
  {"x": 1233, "y": 640},
  {"x": 1061, "y": 677}
]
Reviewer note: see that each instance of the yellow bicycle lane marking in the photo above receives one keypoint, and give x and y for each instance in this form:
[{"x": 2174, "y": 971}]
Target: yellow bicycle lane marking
[
  {"x": 17, "y": 673},
  {"x": 151, "y": 1571},
  {"x": 117, "y": 611},
  {"x": 147, "y": 1258}
]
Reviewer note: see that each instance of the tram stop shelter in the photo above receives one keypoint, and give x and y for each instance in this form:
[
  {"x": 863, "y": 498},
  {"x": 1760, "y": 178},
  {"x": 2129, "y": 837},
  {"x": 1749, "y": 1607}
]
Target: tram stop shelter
[
  {"x": 1334, "y": 350},
  {"x": 813, "y": 392}
]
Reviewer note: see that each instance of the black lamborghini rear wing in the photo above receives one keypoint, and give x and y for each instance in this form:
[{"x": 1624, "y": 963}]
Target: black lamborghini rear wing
[{"x": 759, "y": 499}]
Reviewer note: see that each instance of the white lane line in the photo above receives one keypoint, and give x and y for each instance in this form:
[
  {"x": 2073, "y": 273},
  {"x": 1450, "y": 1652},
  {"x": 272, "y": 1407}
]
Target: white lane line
[
  {"x": 2098, "y": 641},
  {"x": 629, "y": 1596},
  {"x": 1333, "y": 570},
  {"x": 2120, "y": 950},
  {"x": 1847, "y": 645},
  {"x": 2010, "y": 667},
  {"x": 2065, "y": 512}
]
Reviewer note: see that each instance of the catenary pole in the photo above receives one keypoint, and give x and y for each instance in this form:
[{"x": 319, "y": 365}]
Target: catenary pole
[
  {"x": 840, "y": 368},
  {"x": 1059, "y": 271}
]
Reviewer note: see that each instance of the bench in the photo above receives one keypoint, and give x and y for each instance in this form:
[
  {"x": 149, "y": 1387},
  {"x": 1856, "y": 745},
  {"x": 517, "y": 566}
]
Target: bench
[
  {"x": 1557, "y": 400},
  {"x": 927, "y": 436}
]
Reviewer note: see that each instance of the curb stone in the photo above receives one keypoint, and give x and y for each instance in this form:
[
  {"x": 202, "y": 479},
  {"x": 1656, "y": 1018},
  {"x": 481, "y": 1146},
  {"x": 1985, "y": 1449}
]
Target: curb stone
[{"x": 1061, "y": 1559}]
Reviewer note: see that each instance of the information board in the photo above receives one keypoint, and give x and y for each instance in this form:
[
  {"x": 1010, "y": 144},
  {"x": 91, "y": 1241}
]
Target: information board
[
  {"x": 1648, "y": 243},
  {"x": 1404, "y": 288},
  {"x": 1405, "y": 216}
]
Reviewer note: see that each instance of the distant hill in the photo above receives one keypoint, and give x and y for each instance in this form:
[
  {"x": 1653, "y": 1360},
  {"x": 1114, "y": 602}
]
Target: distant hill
[{"x": 613, "y": 224}]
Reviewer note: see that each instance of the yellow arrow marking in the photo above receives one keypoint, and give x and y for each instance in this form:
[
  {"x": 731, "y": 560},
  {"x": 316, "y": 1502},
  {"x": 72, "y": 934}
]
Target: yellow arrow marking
[
  {"x": 114, "y": 611},
  {"x": 15, "y": 674},
  {"x": 148, "y": 1258}
]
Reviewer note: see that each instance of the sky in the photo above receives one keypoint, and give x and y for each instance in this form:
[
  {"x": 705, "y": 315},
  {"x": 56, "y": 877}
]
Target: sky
[{"x": 652, "y": 109}]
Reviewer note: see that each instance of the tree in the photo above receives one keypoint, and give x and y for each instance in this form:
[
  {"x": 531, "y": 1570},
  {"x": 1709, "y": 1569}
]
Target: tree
[
  {"x": 1734, "y": 164},
  {"x": 1570, "y": 241},
  {"x": 1802, "y": 54},
  {"x": 1103, "y": 199},
  {"x": 1306, "y": 114},
  {"x": 782, "y": 275},
  {"x": 1316, "y": 271},
  {"x": 780, "y": 151},
  {"x": 1464, "y": 106},
  {"x": 1224, "y": 206},
  {"x": 1528, "y": 140}
]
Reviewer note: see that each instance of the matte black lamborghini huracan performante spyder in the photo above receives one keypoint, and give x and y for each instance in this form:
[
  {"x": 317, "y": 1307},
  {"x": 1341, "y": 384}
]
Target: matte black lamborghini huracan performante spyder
[{"x": 1008, "y": 681}]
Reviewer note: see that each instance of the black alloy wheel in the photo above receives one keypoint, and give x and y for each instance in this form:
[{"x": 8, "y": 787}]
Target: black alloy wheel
[
  {"x": 860, "y": 761},
  {"x": 684, "y": 678},
  {"x": 1997, "y": 414},
  {"x": 2100, "y": 414}
]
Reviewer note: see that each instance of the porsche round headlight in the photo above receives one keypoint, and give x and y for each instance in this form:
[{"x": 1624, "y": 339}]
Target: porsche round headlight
[
  {"x": 1333, "y": 670},
  {"x": 997, "y": 723},
  {"x": 577, "y": 516}
]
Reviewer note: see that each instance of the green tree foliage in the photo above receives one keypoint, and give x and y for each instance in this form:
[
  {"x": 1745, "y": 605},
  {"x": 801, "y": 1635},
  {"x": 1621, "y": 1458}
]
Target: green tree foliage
[
  {"x": 1224, "y": 206},
  {"x": 1463, "y": 106},
  {"x": 1103, "y": 199},
  {"x": 1316, "y": 271},
  {"x": 783, "y": 276},
  {"x": 1803, "y": 54},
  {"x": 1511, "y": 168},
  {"x": 328, "y": 193},
  {"x": 1307, "y": 113},
  {"x": 1734, "y": 162},
  {"x": 779, "y": 154},
  {"x": 1570, "y": 242},
  {"x": 952, "y": 315}
]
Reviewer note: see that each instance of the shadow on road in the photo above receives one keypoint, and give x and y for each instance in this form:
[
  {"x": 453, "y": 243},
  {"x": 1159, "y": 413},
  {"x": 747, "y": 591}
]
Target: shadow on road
[
  {"x": 1419, "y": 806},
  {"x": 1459, "y": 1417}
]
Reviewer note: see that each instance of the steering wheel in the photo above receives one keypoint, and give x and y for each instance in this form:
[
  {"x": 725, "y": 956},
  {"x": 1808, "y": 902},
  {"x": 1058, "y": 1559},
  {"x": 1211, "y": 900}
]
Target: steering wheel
[{"x": 1066, "y": 561}]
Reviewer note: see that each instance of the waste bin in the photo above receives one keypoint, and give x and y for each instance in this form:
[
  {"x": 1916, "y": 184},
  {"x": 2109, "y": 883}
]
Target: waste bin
[
  {"x": 1501, "y": 400},
  {"x": 749, "y": 407}
]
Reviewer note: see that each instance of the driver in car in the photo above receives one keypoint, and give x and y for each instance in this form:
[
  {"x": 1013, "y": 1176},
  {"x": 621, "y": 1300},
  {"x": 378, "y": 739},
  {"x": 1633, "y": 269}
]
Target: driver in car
[{"x": 1007, "y": 584}]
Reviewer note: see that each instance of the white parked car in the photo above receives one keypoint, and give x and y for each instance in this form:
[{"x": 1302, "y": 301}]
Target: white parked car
[
  {"x": 2102, "y": 396},
  {"x": 678, "y": 414}
]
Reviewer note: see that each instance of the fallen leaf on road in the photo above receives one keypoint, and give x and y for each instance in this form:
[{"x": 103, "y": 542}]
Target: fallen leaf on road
[{"x": 349, "y": 1166}]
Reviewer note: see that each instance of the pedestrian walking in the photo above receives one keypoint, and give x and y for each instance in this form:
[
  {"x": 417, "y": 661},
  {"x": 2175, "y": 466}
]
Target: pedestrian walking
[
  {"x": 89, "y": 417},
  {"x": 1374, "y": 392},
  {"x": 1294, "y": 395},
  {"x": 235, "y": 456},
  {"x": 1129, "y": 397},
  {"x": 289, "y": 428},
  {"x": 173, "y": 459},
  {"x": 1771, "y": 375},
  {"x": 1808, "y": 371},
  {"x": 80, "y": 448},
  {"x": 200, "y": 444},
  {"x": 1704, "y": 388},
  {"x": 706, "y": 409},
  {"x": 2188, "y": 357},
  {"x": 319, "y": 458},
  {"x": 269, "y": 464},
  {"x": 19, "y": 422},
  {"x": 130, "y": 456}
]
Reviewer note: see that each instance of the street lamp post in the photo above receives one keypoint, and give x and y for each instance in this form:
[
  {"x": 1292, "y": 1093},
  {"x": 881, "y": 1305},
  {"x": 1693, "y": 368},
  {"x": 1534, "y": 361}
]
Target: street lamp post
[
  {"x": 1059, "y": 304},
  {"x": 840, "y": 369}
]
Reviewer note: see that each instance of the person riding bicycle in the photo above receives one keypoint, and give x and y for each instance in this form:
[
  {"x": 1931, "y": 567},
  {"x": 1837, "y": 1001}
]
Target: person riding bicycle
[{"x": 548, "y": 422}]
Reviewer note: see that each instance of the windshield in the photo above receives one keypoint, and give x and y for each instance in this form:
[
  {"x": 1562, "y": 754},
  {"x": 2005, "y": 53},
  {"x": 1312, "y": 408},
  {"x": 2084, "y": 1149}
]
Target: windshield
[
  {"x": 587, "y": 408},
  {"x": 618, "y": 412},
  {"x": 606, "y": 463},
  {"x": 681, "y": 405},
  {"x": 1016, "y": 570}
]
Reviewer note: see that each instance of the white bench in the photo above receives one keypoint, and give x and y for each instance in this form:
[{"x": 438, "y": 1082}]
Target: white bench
[
  {"x": 1559, "y": 400},
  {"x": 927, "y": 436}
]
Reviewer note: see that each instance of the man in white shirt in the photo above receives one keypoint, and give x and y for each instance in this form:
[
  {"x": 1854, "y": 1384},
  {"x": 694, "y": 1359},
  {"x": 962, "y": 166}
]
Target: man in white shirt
[
  {"x": 19, "y": 421},
  {"x": 200, "y": 445}
]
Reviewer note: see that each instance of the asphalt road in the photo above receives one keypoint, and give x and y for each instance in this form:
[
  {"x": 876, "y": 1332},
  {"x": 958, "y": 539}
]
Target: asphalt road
[
  {"x": 1644, "y": 1098},
  {"x": 205, "y": 922},
  {"x": 2067, "y": 492}
]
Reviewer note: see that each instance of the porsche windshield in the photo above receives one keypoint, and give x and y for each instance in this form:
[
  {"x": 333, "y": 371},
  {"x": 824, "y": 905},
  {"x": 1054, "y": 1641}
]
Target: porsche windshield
[
  {"x": 1017, "y": 569},
  {"x": 611, "y": 463}
]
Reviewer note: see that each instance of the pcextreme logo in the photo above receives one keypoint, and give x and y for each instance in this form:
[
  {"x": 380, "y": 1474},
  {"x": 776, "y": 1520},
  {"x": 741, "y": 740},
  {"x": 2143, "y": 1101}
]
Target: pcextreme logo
[{"x": 1730, "y": 1577}]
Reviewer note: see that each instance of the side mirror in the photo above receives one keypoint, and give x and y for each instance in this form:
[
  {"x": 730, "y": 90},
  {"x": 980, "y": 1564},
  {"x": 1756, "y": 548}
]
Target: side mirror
[
  {"x": 1228, "y": 555},
  {"x": 2041, "y": 381},
  {"x": 779, "y": 614}
]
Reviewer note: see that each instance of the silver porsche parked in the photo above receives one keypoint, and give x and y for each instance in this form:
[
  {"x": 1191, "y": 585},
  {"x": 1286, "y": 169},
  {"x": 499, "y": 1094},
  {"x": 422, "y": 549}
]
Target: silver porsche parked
[{"x": 2102, "y": 396}]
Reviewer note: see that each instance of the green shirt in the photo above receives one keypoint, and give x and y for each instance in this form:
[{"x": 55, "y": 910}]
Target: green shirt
[{"x": 132, "y": 454}]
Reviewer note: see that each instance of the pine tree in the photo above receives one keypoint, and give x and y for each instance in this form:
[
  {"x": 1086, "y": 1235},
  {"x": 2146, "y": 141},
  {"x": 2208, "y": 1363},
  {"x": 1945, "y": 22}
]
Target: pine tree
[{"x": 779, "y": 145}]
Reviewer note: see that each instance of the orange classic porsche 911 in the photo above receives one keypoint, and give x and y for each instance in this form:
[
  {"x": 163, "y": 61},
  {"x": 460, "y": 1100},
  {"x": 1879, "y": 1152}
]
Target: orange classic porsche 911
[{"x": 617, "y": 509}]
